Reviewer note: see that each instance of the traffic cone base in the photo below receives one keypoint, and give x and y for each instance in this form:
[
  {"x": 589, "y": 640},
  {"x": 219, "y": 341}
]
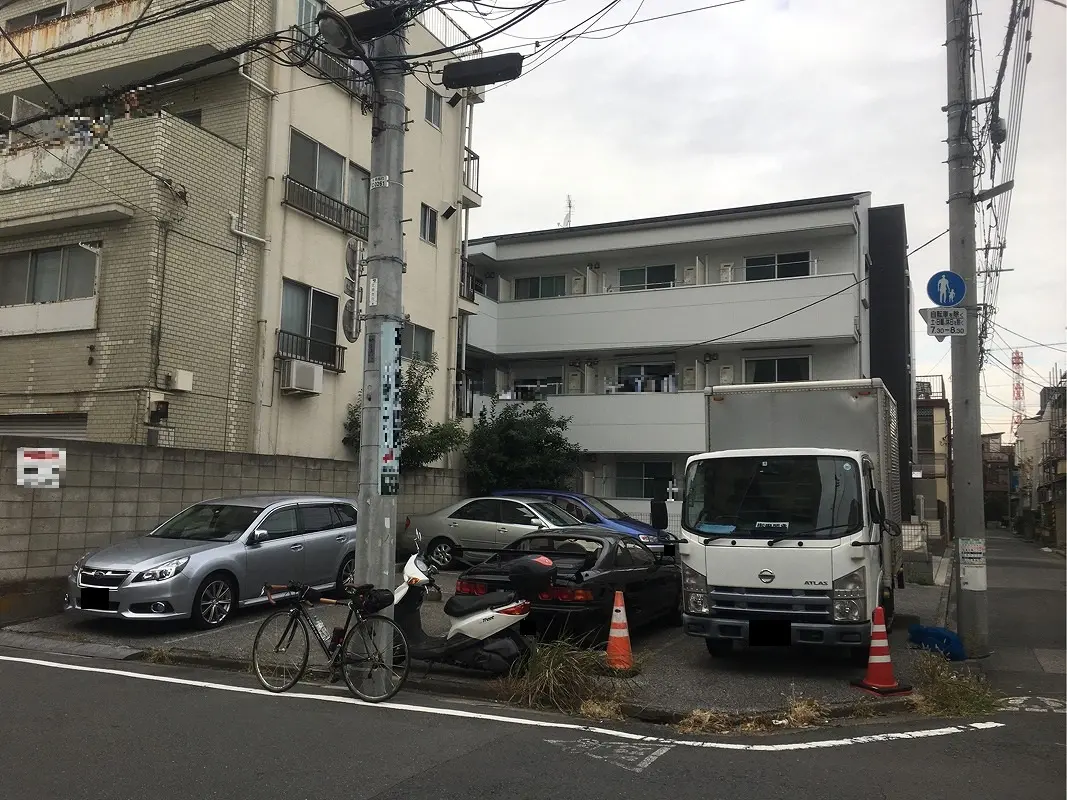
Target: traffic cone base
[
  {"x": 619, "y": 654},
  {"x": 879, "y": 679}
]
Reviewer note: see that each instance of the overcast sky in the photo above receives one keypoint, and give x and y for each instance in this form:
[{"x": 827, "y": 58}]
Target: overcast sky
[{"x": 769, "y": 100}]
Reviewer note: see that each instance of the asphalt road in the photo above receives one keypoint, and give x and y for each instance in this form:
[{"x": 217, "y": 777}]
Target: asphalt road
[{"x": 98, "y": 730}]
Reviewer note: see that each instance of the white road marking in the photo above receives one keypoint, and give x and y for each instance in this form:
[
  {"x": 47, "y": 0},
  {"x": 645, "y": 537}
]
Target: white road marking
[
  {"x": 628, "y": 755},
  {"x": 534, "y": 723},
  {"x": 1041, "y": 705}
]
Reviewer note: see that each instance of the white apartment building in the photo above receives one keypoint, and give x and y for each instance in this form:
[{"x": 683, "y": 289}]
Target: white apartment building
[
  {"x": 186, "y": 284},
  {"x": 620, "y": 326}
]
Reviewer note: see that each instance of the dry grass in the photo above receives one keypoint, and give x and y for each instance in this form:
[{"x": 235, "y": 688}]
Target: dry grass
[
  {"x": 943, "y": 689},
  {"x": 563, "y": 677},
  {"x": 801, "y": 712},
  {"x": 158, "y": 656}
]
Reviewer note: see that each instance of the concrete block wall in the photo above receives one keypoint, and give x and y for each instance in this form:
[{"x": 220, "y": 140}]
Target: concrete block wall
[{"x": 114, "y": 492}]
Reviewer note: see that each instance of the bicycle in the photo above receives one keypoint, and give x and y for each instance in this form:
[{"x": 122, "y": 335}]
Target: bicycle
[{"x": 365, "y": 600}]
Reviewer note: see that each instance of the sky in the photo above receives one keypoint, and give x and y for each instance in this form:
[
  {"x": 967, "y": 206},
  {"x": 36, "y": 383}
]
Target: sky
[{"x": 767, "y": 100}]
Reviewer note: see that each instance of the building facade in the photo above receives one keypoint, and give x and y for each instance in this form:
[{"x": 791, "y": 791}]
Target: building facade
[
  {"x": 933, "y": 445},
  {"x": 173, "y": 272},
  {"x": 998, "y": 467},
  {"x": 621, "y": 326}
]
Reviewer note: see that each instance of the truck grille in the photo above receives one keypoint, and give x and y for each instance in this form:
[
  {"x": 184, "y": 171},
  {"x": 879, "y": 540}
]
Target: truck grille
[
  {"x": 109, "y": 578},
  {"x": 738, "y": 601}
]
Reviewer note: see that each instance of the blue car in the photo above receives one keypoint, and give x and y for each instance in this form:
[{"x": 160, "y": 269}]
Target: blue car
[{"x": 594, "y": 511}]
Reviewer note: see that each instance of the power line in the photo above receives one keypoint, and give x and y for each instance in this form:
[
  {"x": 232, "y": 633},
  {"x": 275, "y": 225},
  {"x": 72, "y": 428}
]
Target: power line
[
  {"x": 910, "y": 253},
  {"x": 1033, "y": 342}
]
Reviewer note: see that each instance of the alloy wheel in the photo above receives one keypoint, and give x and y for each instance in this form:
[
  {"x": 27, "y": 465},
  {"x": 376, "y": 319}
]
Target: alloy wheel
[
  {"x": 216, "y": 602},
  {"x": 441, "y": 554}
]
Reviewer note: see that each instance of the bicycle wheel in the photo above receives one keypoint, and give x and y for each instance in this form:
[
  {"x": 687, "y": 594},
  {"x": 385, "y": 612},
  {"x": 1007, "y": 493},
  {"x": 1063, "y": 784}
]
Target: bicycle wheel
[
  {"x": 374, "y": 668},
  {"x": 283, "y": 635}
]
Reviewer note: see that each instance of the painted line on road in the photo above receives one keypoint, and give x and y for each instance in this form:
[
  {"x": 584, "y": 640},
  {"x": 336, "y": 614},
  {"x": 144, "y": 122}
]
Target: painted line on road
[{"x": 535, "y": 723}]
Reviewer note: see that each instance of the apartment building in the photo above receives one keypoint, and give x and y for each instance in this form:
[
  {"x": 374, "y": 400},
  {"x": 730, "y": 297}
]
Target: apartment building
[
  {"x": 933, "y": 445},
  {"x": 998, "y": 478},
  {"x": 620, "y": 326},
  {"x": 182, "y": 281}
]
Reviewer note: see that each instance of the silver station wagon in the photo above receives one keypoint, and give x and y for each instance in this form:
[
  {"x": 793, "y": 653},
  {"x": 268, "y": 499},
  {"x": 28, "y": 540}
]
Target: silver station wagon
[{"x": 215, "y": 556}]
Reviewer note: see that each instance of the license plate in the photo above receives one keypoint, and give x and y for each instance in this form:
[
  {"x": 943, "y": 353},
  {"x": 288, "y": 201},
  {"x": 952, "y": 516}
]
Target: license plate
[
  {"x": 768, "y": 633},
  {"x": 96, "y": 600}
]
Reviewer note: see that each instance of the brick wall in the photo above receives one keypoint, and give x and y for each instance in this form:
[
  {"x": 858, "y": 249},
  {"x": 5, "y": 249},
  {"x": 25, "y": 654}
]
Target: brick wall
[{"x": 114, "y": 492}]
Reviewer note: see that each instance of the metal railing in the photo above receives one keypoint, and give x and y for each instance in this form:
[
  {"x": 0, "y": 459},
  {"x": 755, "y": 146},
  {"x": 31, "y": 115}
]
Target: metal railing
[
  {"x": 471, "y": 169},
  {"x": 328, "y": 209},
  {"x": 929, "y": 387},
  {"x": 933, "y": 465},
  {"x": 304, "y": 348},
  {"x": 466, "y": 281},
  {"x": 443, "y": 28},
  {"x": 331, "y": 67}
]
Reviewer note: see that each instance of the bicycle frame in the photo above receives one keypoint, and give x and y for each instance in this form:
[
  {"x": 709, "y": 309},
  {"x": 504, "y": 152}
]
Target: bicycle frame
[{"x": 301, "y": 610}]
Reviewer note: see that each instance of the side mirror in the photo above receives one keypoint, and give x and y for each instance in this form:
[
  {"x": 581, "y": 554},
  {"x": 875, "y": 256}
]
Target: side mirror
[
  {"x": 258, "y": 536},
  {"x": 877, "y": 503}
]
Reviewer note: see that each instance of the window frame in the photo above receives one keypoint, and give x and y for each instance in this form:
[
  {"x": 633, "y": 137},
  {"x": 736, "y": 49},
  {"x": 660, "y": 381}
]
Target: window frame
[
  {"x": 314, "y": 185},
  {"x": 428, "y": 218},
  {"x": 353, "y": 170},
  {"x": 540, "y": 279},
  {"x": 645, "y": 478},
  {"x": 433, "y": 108},
  {"x": 407, "y": 342},
  {"x": 777, "y": 264},
  {"x": 645, "y": 283},
  {"x": 30, "y": 266},
  {"x": 491, "y": 502},
  {"x": 746, "y": 361},
  {"x": 11, "y": 25}
]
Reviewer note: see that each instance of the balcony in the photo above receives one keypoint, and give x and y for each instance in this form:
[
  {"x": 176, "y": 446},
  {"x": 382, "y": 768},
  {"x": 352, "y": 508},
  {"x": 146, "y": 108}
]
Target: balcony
[
  {"x": 472, "y": 197},
  {"x": 324, "y": 65},
  {"x": 79, "y": 183},
  {"x": 672, "y": 318},
  {"x": 929, "y": 387},
  {"x": 293, "y": 345},
  {"x": 325, "y": 208},
  {"x": 77, "y": 56},
  {"x": 467, "y": 284},
  {"x": 933, "y": 465},
  {"x": 644, "y": 422}
]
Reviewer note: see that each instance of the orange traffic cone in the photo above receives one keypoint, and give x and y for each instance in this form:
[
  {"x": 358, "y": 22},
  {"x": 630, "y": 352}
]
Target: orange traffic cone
[
  {"x": 879, "y": 679},
  {"x": 619, "y": 654}
]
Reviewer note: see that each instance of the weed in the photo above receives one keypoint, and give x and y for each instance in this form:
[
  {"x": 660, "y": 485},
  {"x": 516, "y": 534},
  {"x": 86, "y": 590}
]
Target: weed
[
  {"x": 158, "y": 655},
  {"x": 563, "y": 677},
  {"x": 942, "y": 689},
  {"x": 700, "y": 721},
  {"x": 804, "y": 712}
]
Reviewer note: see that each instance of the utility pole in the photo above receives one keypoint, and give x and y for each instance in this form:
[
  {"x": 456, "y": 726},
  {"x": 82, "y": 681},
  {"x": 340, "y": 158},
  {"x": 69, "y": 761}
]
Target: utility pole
[{"x": 972, "y": 615}]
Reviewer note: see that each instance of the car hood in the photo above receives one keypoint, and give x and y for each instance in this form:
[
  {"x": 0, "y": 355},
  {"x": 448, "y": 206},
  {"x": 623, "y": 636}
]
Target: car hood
[
  {"x": 146, "y": 551},
  {"x": 636, "y": 526}
]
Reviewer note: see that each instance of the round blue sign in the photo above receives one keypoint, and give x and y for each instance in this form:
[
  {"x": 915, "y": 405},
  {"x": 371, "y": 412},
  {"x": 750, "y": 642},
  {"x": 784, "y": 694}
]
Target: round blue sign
[{"x": 946, "y": 289}]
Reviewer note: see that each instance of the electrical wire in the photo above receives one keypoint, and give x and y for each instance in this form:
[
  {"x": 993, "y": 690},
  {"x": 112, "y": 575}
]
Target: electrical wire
[{"x": 1033, "y": 342}]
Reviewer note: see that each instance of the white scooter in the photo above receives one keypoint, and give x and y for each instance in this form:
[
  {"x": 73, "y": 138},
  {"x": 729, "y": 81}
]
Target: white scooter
[{"x": 483, "y": 634}]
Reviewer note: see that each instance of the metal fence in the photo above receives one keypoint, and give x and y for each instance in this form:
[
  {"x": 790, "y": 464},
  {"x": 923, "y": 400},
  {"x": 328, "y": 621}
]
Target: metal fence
[{"x": 915, "y": 537}]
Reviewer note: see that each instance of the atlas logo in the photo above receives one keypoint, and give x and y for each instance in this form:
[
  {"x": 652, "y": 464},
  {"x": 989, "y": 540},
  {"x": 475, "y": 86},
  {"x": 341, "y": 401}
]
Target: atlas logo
[{"x": 816, "y": 583}]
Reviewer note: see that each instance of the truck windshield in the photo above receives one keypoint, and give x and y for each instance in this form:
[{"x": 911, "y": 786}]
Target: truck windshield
[{"x": 773, "y": 496}]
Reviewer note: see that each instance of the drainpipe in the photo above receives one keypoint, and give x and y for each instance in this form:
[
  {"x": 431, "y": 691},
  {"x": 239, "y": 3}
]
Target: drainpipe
[{"x": 243, "y": 234}]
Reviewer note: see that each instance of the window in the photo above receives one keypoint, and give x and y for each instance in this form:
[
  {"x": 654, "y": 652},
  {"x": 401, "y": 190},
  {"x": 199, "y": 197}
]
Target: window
[
  {"x": 209, "y": 522},
  {"x": 416, "y": 342},
  {"x": 309, "y": 317},
  {"x": 781, "y": 265},
  {"x": 538, "y": 388},
  {"x": 433, "y": 107},
  {"x": 642, "y": 479},
  {"x": 778, "y": 370},
  {"x": 544, "y": 286},
  {"x": 346, "y": 514},
  {"x": 428, "y": 224},
  {"x": 48, "y": 276},
  {"x": 35, "y": 18},
  {"x": 193, "y": 117},
  {"x": 358, "y": 188},
  {"x": 281, "y": 524},
  {"x": 646, "y": 278},
  {"x": 512, "y": 513},
  {"x": 319, "y": 518},
  {"x": 924, "y": 432},
  {"x": 316, "y": 166},
  {"x": 647, "y": 377},
  {"x": 479, "y": 511}
]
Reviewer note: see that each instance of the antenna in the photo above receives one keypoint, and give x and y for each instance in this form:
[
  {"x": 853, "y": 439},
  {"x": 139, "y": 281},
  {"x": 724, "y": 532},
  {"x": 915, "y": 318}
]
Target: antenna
[
  {"x": 567, "y": 217},
  {"x": 1018, "y": 391}
]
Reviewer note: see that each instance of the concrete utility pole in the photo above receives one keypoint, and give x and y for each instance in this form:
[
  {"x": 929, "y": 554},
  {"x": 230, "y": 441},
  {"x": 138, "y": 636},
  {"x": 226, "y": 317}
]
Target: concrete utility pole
[
  {"x": 379, "y": 453},
  {"x": 972, "y": 616}
]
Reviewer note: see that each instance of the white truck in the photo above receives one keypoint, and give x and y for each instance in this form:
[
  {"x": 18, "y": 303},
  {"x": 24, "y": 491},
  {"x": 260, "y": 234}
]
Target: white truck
[{"x": 792, "y": 518}]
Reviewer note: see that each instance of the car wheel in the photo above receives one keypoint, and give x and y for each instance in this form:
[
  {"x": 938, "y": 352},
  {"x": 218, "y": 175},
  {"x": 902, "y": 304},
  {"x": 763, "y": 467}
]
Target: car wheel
[
  {"x": 720, "y": 648},
  {"x": 441, "y": 553},
  {"x": 346, "y": 576},
  {"x": 214, "y": 601}
]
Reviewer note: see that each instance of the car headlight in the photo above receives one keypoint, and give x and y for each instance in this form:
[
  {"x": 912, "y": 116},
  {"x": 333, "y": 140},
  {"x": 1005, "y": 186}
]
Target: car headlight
[
  {"x": 850, "y": 597},
  {"x": 693, "y": 581},
  {"x": 163, "y": 571},
  {"x": 644, "y": 537},
  {"x": 79, "y": 564}
]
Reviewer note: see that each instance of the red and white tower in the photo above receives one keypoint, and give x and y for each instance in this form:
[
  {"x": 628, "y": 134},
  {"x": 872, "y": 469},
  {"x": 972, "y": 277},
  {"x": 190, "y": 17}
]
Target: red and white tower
[{"x": 1018, "y": 391}]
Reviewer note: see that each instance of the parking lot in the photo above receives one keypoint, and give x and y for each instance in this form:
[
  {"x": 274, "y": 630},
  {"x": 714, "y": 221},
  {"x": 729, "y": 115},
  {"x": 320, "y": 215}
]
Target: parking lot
[{"x": 676, "y": 672}]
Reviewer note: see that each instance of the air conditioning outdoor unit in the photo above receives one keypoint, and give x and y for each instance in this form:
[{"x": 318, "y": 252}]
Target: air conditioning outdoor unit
[
  {"x": 726, "y": 273},
  {"x": 301, "y": 377},
  {"x": 574, "y": 382},
  {"x": 578, "y": 284},
  {"x": 689, "y": 276}
]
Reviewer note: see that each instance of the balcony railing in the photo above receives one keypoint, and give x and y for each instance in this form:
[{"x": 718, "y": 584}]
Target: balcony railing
[
  {"x": 933, "y": 465},
  {"x": 929, "y": 387},
  {"x": 471, "y": 169},
  {"x": 466, "y": 281},
  {"x": 328, "y": 209},
  {"x": 293, "y": 345},
  {"x": 330, "y": 67}
]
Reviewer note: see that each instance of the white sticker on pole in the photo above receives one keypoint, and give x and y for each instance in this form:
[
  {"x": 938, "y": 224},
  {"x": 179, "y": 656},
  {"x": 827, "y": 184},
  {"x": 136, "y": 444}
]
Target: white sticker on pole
[
  {"x": 372, "y": 293},
  {"x": 972, "y": 565}
]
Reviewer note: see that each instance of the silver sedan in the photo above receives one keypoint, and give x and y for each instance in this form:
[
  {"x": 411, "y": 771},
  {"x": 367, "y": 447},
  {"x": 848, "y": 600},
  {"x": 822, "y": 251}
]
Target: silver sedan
[
  {"x": 215, "y": 556},
  {"x": 471, "y": 530}
]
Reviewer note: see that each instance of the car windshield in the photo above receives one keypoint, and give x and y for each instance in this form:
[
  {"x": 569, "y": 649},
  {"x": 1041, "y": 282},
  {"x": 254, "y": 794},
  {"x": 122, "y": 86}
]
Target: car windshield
[
  {"x": 555, "y": 515},
  {"x": 604, "y": 509},
  {"x": 777, "y": 496},
  {"x": 209, "y": 522}
]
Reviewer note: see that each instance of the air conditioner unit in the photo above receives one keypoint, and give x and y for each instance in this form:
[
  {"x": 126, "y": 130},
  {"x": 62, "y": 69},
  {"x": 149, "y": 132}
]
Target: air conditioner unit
[
  {"x": 689, "y": 379},
  {"x": 689, "y": 276},
  {"x": 301, "y": 377},
  {"x": 726, "y": 375},
  {"x": 726, "y": 273},
  {"x": 574, "y": 382},
  {"x": 578, "y": 284}
]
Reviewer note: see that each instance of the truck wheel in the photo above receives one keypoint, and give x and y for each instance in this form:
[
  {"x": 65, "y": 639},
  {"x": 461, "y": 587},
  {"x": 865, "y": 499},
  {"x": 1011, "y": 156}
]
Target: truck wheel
[{"x": 720, "y": 648}]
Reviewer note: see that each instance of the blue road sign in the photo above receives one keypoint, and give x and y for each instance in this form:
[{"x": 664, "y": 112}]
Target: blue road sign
[{"x": 946, "y": 289}]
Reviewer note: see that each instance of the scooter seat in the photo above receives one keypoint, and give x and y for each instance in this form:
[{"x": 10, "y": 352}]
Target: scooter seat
[{"x": 461, "y": 605}]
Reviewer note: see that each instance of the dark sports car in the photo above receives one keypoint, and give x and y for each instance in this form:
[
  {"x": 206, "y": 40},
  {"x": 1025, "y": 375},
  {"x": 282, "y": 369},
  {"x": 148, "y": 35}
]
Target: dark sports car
[{"x": 592, "y": 564}]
